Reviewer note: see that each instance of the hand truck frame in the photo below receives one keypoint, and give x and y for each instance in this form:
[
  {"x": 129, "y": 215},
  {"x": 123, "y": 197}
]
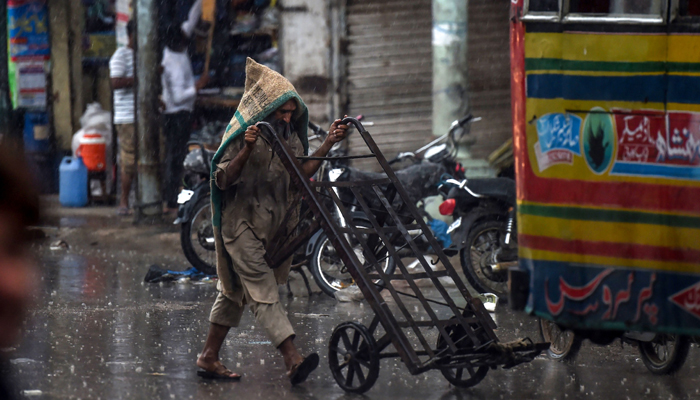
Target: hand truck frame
[{"x": 466, "y": 345}]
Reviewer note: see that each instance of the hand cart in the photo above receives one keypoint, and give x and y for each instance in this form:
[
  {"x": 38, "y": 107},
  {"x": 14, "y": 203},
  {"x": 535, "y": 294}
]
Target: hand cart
[{"x": 465, "y": 346}]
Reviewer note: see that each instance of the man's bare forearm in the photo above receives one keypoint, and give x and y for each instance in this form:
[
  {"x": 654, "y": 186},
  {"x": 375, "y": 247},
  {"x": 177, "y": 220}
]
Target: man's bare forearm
[
  {"x": 122, "y": 83},
  {"x": 235, "y": 167},
  {"x": 311, "y": 166}
]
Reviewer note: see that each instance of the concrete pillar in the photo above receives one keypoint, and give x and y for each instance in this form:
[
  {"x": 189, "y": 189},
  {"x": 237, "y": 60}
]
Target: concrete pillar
[
  {"x": 59, "y": 25},
  {"x": 450, "y": 77},
  {"x": 5, "y": 104},
  {"x": 304, "y": 42},
  {"x": 75, "y": 43},
  {"x": 148, "y": 190},
  {"x": 450, "y": 85}
]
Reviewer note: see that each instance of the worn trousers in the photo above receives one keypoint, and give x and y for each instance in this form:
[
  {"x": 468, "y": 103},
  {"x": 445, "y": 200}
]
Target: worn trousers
[
  {"x": 270, "y": 316},
  {"x": 260, "y": 290}
]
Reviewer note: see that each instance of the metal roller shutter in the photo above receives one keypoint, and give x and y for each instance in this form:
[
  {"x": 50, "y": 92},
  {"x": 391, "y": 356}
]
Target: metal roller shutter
[{"x": 389, "y": 72}]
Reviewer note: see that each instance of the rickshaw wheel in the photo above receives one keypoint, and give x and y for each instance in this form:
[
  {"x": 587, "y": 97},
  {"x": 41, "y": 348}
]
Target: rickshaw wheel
[
  {"x": 353, "y": 357},
  {"x": 563, "y": 344},
  {"x": 463, "y": 377},
  {"x": 665, "y": 354}
]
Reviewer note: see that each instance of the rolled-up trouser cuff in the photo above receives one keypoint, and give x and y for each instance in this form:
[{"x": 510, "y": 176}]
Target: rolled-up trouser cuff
[
  {"x": 274, "y": 320},
  {"x": 226, "y": 312},
  {"x": 271, "y": 317}
]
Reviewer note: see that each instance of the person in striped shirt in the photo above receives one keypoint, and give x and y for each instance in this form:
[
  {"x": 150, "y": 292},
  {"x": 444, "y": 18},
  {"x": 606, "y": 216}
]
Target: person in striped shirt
[{"x": 121, "y": 73}]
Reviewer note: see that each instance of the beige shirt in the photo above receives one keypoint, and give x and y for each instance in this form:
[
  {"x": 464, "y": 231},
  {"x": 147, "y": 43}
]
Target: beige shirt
[{"x": 259, "y": 199}]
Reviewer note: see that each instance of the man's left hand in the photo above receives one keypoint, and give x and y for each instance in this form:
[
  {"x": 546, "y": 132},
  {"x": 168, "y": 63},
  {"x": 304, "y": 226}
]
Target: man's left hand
[{"x": 337, "y": 132}]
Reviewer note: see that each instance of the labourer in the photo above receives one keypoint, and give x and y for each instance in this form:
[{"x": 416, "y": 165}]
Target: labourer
[{"x": 251, "y": 192}]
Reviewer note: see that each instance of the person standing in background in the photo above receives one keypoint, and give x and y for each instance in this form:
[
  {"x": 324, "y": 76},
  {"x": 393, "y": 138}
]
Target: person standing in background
[
  {"x": 178, "y": 97},
  {"x": 121, "y": 73}
]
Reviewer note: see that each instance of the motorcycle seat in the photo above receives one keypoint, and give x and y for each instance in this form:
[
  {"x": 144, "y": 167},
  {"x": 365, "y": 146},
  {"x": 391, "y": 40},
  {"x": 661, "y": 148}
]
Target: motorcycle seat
[
  {"x": 419, "y": 180},
  {"x": 499, "y": 188}
]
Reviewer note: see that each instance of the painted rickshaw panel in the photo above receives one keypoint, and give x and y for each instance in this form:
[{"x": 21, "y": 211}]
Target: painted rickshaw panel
[{"x": 607, "y": 151}]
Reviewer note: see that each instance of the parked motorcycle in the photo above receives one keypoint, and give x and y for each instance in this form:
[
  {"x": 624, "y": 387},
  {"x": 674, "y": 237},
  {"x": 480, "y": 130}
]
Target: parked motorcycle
[
  {"x": 484, "y": 231},
  {"x": 662, "y": 353},
  {"x": 420, "y": 179},
  {"x": 194, "y": 211}
]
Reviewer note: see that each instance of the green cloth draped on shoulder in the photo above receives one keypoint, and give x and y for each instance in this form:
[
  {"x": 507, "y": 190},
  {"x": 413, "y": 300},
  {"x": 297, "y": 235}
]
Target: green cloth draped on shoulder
[{"x": 265, "y": 91}]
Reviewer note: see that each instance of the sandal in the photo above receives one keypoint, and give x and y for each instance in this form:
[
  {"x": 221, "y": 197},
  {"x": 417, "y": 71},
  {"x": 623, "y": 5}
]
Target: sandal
[
  {"x": 123, "y": 211},
  {"x": 219, "y": 373},
  {"x": 299, "y": 372}
]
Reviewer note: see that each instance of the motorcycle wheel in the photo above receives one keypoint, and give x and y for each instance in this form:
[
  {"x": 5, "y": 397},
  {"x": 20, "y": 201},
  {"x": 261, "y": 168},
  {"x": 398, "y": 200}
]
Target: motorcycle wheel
[
  {"x": 484, "y": 239},
  {"x": 563, "y": 344},
  {"x": 665, "y": 354},
  {"x": 328, "y": 269},
  {"x": 197, "y": 238}
]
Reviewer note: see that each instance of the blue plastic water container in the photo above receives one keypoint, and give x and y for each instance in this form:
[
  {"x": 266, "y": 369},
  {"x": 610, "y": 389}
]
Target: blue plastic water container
[
  {"x": 36, "y": 132},
  {"x": 73, "y": 182}
]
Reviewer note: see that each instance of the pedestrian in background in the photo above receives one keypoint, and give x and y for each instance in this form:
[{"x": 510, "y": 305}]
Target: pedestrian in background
[
  {"x": 121, "y": 73},
  {"x": 178, "y": 97},
  {"x": 19, "y": 207}
]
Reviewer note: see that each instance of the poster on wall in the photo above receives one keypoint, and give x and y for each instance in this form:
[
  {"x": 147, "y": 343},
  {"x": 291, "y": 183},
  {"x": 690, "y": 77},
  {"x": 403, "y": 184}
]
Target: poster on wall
[
  {"x": 28, "y": 29},
  {"x": 31, "y": 83},
  {"x": 29, "y": 50}
]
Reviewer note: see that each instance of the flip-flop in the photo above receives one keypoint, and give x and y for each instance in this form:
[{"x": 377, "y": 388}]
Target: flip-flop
[
  {"x": 221, "y": 373},
  {"x": 123, "y": 211},
  {"x": 301, "y": 371}
]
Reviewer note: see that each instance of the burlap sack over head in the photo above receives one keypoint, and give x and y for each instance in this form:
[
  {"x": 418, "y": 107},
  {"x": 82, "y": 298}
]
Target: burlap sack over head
[{"x": 265, "y": 91}]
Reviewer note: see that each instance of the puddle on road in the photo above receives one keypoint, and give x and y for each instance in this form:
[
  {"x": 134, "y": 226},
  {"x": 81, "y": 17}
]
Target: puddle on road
[{"x": 99, "y": 332}]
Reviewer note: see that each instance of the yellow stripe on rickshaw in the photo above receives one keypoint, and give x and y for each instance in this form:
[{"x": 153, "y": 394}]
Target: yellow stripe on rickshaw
[
  {"x": 613, "y": 262},
  {"x": 614, "y": 232}
]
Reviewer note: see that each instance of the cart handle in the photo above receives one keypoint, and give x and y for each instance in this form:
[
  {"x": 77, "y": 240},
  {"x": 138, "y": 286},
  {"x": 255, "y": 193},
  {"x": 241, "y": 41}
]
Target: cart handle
[
  {"x": 354, "y": 121},
  {"x": 270, "y": 131}
]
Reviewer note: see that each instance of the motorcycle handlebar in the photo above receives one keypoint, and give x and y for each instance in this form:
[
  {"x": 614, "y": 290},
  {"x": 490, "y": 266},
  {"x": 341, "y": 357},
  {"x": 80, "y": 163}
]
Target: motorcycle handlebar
[{"x": 317, "y": 130}]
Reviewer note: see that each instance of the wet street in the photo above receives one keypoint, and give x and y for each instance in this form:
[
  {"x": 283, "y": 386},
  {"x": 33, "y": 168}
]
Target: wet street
[{"x": 97, "y": 331}]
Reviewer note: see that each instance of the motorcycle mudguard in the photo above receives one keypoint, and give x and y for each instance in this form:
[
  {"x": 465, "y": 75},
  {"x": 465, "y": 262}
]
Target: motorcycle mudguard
[
  {"x": 356, "y": 216},
  {"x": 185, "y": 211},
  {"x": 484, "y": 210}
]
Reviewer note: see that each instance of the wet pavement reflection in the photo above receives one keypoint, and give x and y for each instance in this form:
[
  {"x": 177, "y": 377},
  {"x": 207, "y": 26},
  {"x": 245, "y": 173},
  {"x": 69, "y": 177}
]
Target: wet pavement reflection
[{"x": 98, "y": 332}]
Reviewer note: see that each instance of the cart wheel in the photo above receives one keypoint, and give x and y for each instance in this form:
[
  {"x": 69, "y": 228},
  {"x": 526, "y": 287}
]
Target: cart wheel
[
  {"x": 665, "y": 354},
  {"x": 462, "y": 376},
  {"x": 353, "y": 357}
]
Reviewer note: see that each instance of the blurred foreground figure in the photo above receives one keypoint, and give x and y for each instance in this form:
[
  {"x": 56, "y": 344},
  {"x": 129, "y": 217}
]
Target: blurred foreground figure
[
  {"x": 19, "y": 207},
  {"x": 251, "y": 192}
]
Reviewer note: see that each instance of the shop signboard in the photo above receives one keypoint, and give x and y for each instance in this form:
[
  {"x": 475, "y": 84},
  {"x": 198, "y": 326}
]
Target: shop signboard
[{"x": 28, "y": 29}]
